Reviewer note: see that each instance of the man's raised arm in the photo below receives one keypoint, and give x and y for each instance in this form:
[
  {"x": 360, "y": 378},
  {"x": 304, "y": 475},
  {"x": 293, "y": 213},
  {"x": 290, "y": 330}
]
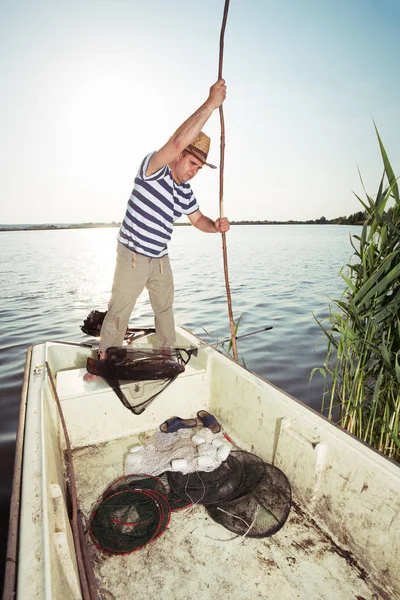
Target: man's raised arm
[{"x": 189, "y": 130}]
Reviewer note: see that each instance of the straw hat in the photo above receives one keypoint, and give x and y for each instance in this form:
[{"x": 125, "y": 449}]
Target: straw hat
[{"x": 200, "y": 147}]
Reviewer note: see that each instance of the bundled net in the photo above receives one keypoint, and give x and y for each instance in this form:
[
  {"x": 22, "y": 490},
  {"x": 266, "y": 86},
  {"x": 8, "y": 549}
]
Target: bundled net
[
  {"x": 260, "y": 512},
  {"x": 94, "y": 321},
  {"x": 161, "y": 450},
  {"x": 149, "y": 370},
  {"x": 132, "y": 512}
]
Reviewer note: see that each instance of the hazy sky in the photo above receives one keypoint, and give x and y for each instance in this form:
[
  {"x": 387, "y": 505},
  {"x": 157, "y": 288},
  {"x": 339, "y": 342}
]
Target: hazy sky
[{"x": 89, "y": 87}]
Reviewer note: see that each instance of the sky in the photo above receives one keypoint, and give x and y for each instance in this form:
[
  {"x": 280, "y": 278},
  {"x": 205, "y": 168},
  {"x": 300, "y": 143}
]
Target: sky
[{"x": 89, "y": 87}]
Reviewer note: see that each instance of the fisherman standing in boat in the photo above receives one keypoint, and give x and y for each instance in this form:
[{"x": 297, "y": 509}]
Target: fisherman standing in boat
[{"x": 160, "y": 196}]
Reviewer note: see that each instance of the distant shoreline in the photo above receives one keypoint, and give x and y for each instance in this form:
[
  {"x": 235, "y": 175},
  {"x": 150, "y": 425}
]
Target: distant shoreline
[{"x": 50, "y": 227}]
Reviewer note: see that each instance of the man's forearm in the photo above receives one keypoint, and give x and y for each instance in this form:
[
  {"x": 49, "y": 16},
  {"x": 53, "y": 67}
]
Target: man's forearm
[
  {"x": 220, "y": 225},
  {"x": 206, "y": 224},
  {"x": 191, "y": 128}
]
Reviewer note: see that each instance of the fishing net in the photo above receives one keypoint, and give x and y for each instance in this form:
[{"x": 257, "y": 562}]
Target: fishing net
[
  {"x": 127, "y": 519},
  {"x": 149, "y": 371},
  {"x": 259, "y": 513},
  {"x": 161, "y": 450},
  {"x": 209, "y": 487}
]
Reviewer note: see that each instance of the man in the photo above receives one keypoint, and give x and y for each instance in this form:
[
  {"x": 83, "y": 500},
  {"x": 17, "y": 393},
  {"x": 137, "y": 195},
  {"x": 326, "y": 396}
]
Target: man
[{"x": 160, "y": 196}]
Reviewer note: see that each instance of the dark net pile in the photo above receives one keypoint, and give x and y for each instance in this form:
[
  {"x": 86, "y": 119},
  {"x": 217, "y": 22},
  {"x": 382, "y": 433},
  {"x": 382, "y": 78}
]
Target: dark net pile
[
  {"x": 244, "y": 494},
  {"x": 208, "y": 487},
  {"x": 175, "y": 501}
]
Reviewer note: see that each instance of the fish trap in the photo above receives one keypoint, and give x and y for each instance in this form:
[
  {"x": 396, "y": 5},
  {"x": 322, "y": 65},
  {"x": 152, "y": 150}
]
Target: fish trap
[
  {"x": 258, "y": 512},
  {"x": 127, "y": 519},
  {"x": 209, "y": 487}
]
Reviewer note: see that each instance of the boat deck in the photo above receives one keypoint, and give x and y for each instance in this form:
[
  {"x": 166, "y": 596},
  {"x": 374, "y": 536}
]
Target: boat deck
[{"x": 198, "y": 558}]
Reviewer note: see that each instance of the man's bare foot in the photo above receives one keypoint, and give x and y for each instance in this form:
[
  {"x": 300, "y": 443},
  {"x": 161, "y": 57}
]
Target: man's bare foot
[{"x": 89, "y": 377}]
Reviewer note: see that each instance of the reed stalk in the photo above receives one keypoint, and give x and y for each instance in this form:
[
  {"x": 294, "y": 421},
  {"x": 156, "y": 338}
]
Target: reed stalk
[{"x": 362, "y": 365}]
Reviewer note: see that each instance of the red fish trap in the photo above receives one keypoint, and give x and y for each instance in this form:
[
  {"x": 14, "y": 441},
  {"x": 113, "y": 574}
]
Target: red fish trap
[
  {"x": 126, "y": 520},
  {"x": 128, "y": 482}
]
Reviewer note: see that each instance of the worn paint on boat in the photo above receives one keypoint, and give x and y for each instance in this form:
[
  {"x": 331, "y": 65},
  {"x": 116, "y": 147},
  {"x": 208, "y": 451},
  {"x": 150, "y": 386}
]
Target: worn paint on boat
[{"x": 341, "y": 539}]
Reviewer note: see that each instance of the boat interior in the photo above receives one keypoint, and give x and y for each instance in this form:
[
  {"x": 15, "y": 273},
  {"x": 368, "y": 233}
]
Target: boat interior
[{"x": 332, "y": 545}]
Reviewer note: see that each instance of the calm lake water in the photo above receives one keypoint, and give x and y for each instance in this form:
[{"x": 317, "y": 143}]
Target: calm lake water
[{"x": 280, "y": 275}]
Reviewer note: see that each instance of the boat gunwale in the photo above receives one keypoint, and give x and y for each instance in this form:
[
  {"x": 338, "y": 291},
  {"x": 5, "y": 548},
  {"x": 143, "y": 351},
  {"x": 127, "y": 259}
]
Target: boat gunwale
[
  {"x": 10, "y": 571},
  {"x": 301, "y": 403}
]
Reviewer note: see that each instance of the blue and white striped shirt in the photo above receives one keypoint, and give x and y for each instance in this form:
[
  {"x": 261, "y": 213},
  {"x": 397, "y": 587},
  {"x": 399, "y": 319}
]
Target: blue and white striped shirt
[{"x": 155, "y": 203}]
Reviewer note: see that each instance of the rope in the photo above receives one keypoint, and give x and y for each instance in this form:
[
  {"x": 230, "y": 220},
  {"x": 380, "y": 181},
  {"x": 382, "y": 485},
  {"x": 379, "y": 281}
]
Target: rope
[{"x": 221, "y": 188}]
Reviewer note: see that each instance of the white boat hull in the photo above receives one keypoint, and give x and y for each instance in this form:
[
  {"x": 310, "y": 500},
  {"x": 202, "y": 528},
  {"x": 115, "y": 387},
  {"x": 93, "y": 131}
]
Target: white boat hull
[{"x": 342, "y": 537}]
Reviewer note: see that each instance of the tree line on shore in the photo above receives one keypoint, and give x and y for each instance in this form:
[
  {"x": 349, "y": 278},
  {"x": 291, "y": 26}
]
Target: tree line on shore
[{"x": 357, "y": 218}]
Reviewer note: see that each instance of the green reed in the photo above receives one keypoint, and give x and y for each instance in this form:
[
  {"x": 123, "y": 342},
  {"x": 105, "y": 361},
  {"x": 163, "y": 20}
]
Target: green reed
[{"x": 362, "y": 366}]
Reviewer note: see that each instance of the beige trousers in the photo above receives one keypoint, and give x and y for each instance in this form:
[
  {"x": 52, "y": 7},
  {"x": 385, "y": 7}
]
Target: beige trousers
[{"x": 134, "y": 272}]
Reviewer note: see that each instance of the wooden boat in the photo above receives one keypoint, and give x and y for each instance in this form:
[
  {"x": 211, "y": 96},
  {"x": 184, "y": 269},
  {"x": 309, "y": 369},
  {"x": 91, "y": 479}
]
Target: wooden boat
[{"x": 341, "y": 540}]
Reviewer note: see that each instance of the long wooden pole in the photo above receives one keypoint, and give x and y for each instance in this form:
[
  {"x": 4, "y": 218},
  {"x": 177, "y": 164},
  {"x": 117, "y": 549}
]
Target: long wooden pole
[{"x": 221, "y": 187}]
